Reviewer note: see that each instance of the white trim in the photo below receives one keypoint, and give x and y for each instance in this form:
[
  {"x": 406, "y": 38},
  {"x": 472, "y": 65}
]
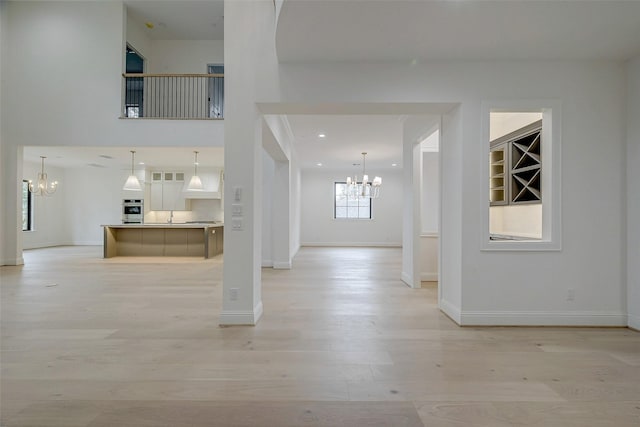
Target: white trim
[
  {"x": 267, "y": 263},
  {"x": 542, "y": 318},
  {"x": 238, "y": 318},
  {"x": 12, "y": 261},
  {"x": 354, "y": 244},
  {"x": 282, "y": 265},
  {"x": 450, "y": 310},
  {"x": 633, "y": 321},
  {"x": 430, "y": 234},
  {"x": 406, "y": 278},
  {"x": 87, "y": 243},
  {"x": 551, "y": 178},
  {"x": 428, "y": 277}
]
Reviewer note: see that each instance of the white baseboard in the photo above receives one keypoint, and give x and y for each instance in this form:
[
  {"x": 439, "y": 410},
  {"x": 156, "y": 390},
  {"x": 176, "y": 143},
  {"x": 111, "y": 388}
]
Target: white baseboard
[
  {"x": 428, "y": 277},
  {"x": 354, "y": 244},
  {"x": 450, "y": 310},
  {"x": 238, "y": 318},
  {"x": 542, "y": 318},
  {"x": 408, "y": 280},
  {"x": 282, "y": 265},
  {"x": 633, "y": 321},
  {"x": 12, "y": 261},
  {"x": 266, "y": 263}
]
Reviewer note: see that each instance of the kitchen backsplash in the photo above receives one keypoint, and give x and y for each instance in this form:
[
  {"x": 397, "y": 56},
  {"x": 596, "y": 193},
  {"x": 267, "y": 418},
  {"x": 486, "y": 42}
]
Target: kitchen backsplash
[{"x": 201, "y": 210}]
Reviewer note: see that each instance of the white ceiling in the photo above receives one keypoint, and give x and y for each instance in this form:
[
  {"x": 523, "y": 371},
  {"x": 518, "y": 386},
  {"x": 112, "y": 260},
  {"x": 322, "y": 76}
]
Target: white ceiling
[
  {"x": 179, "y": 19},
  {"x": 423, "y": 30},
  {"x": 347, "y": 136},
  {"x": 152, "y": 157}
]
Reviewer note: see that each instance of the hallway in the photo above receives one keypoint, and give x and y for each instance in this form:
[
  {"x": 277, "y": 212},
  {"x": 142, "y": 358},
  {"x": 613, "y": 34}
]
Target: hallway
[{"x": 88, "y": 341}]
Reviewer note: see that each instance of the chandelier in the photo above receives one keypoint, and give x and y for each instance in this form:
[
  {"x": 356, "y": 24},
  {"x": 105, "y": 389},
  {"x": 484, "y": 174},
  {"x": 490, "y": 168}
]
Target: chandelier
[
  {"x": 363, "y": 189},
  {"x": 43, "y": 187}
]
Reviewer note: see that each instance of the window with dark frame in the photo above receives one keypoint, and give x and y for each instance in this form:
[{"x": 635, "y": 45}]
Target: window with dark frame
[
  {"x": 27, "y": 207},
  {"x": 348, "y": 207}
]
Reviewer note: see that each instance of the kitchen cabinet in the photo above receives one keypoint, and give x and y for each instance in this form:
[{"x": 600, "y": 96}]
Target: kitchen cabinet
[
  {"x": 515, "y": 167},
  {"x": 166, "y": 192}
]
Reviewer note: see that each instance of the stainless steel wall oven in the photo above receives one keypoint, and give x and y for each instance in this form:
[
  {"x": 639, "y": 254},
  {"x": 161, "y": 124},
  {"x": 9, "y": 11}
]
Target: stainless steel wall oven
[{"x": 132, "y": 211}]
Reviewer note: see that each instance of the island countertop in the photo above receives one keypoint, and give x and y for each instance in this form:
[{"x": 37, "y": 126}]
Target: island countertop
[{"x": 163, "y": 239}]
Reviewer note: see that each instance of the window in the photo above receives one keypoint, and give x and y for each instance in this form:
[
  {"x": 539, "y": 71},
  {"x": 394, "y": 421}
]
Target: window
[
  {"x": 27, "y": 207},
  {"x": 521, "y": 163},
  {"x": 348, "y": 207},
  {"x": 216, "y": 91}
]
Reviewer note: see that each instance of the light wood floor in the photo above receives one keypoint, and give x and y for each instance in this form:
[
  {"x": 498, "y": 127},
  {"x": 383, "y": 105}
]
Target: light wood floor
[{"x": 135, "y": 342}]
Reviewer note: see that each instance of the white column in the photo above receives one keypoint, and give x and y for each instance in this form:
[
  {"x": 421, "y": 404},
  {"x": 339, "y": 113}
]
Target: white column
[
  {"x": 241, "y": 300},
  {"x": 280, "y": 217},
  {"x": 11, "y": 193}
]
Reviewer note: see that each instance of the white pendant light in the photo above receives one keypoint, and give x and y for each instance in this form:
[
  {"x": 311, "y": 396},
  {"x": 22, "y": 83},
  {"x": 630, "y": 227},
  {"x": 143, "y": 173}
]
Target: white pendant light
[
  {"x": 196, "y": 183},
  {"x": 43, "y": 187},
  {"x": 132, "y": 183},
  {"x": 366, "y": 189}
]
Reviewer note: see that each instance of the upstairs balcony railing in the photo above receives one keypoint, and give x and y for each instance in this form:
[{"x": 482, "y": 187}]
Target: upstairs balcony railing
[{"x": 173, "y": 96}]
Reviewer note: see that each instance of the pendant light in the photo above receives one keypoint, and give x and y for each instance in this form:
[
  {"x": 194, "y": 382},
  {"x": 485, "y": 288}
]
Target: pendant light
[
  {"x": 196, "y": 183},
  {"x": 366, "y": 189},
  {"x": 43, "y": 187},
  {"x": 132, "y": 183}
]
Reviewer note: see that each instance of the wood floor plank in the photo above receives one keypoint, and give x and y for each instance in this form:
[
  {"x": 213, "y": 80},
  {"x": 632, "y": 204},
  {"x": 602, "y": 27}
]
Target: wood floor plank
[{"x": 87, "y": 341}]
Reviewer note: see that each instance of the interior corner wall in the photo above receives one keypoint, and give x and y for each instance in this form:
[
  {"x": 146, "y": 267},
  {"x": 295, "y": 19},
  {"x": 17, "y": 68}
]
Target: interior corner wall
[
  {"x": 633, "y": 193},
  {"x": 3, "y": 183},
  {"x": 50, "y": 222},
  {"x": 319, "y": 228},
  {"x": 136, "y": 37},
  {"x": 451, "y": 207},
  {"x": 296, "y": 206},
  {"x": 267, "y": 189}
]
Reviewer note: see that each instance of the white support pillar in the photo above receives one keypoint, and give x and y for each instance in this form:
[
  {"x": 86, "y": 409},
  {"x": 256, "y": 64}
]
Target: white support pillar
[
  {"x": 242, "y": 288},
  {"x": 280, "y": 217},
  {"x": 10, "y": 191}
]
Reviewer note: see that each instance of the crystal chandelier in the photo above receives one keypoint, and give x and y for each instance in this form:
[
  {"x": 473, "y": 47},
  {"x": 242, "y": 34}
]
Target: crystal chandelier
[
  {"x": 364, "y": 188},
  {"x": 43, "y": 187}
]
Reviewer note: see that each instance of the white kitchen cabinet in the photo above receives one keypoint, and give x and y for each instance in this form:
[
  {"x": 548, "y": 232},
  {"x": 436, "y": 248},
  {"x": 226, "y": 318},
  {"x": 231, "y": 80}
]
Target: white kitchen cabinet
[{"x": 166, "y": 192}]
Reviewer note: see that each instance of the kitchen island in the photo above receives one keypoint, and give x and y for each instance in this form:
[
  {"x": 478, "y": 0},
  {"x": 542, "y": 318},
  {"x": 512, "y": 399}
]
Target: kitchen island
[{"x": 190, "y": 239}]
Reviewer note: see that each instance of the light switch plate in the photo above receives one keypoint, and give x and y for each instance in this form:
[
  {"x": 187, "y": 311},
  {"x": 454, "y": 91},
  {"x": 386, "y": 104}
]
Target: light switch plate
[{"x": 236, "y": 224}]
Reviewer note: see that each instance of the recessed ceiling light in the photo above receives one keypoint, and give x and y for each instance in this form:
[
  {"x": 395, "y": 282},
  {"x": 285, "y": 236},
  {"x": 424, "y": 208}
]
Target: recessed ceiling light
[
  {"x": 394, "y": 164},
  {"x": 141, "y": 163},
  {"x": 321, "y": 135},
  {"x": 318, "y": 164}
]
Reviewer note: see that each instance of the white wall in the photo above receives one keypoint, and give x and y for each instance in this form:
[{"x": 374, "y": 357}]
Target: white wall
[
  {"x": 184, "y": 56},
  {"x": 3, "y": 182},
  {"x": 633, "y": 193},
  {"x": 50, "y": 219},
  {"x": 430, "y": 199},
  {"x": 494, "y": 289},
  {"x": 80, "y": 47},
  {"x": 321, "y": 229},
  {"x": 267, "y": 188},
  {"x": 93, "y": 197},
  {"x": 429, "y": 212}
]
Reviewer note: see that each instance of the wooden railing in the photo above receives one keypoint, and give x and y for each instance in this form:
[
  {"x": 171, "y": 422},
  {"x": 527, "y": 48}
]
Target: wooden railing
[{"x": 173, "y": 96}]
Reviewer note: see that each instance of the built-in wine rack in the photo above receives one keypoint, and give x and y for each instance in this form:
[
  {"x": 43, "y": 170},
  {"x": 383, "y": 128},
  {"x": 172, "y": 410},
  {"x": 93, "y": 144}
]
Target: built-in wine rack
[{"x": 516, "y": 167}]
